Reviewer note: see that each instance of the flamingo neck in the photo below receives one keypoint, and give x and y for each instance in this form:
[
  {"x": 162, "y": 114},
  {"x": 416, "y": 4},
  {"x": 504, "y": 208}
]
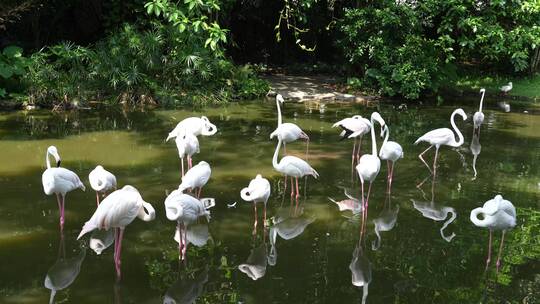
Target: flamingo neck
[
  {"x": 147, "y": 215},
  {"x": 481, "y": 101},
  {"x": 275, "y": 158},
  {"x": 387, "y": 134},
  {"x": 460, "y": 136},
  {"x": 476, "y": 221},
  {"x": 373, "y": 139},
  {"x": 47, "y": 161},
  {"x": 279, "y": 120}
]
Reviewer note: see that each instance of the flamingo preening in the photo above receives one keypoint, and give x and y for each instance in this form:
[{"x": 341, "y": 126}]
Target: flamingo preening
[
  {"x": 102, "y": 181},
  {"x": 258, "y": 191}
]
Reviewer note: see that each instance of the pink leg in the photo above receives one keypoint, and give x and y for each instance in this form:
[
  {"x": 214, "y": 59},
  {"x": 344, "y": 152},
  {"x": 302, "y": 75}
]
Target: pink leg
[
  {"x": 255, "y": 218},
  {"x": 264, "y": 215},
  {"x": 180, "y": 240},
  {"x": 391, "y": 176},
  {"x": 435, "y": 162},
  {"x": 388, "y": 176},
  {"x": 285, "y": 189},
  {"x": 182, "y": 161},
  {"x": 199, "y": 193},
  {"x": 422, "y": 159},
  {"x": 185, "y": 242},
  {"x": 500, "y": 251},
  {"x": 62, "y": 217},
  {"x": 60, "y": 212},
  {"x": 119, "y": 263},
  {"x": 190, "y": 160},
  {"x": 297, "y": 192},
  {"x": 97, "y": 198},
  {"x": 359, "y": 147},
  {"x": 284, "y": 149},
  {"x": 489, "y": 249},
  {"x": 292, "y": 187}
]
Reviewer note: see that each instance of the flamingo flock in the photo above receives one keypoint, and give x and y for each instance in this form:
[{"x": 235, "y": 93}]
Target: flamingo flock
[{"x": 116, "y": 208}]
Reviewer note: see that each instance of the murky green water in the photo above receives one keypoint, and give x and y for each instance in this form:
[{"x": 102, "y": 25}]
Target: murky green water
[{"x": 413, "y": 264}]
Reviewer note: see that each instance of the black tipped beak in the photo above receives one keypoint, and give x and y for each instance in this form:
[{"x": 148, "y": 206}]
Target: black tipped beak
[{"x": 58, "y": 163}]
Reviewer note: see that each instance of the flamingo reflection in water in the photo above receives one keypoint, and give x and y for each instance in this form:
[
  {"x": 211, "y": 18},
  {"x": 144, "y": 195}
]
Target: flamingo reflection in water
[
  {"x": 64, "y": 271},
  {"x": 476, "y": 148},
  {"x": 386, "y": 220},
  {"x": 360, "y": 267},
  {"x": 436, "y": 212},
  {"x": 186, "y": 290}
]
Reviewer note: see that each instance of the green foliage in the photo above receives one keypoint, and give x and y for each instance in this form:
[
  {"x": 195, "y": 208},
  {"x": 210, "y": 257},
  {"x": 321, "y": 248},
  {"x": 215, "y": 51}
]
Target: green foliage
[
  {"x": 12, "y": 66},
  {"x": 408, "y": 48}
]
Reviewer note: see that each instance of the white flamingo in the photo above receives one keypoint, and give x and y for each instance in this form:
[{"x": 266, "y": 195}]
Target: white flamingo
[
  {"x": 102, "y": 181},
  {"x": 360, "y": 268},
  {"x": 506, "y": 88},
  {"x": 287, "y": 132},
  {"x": 258, "y": 191},
  {"x": 187, "y": 145},
  {"x": 498, "y": 214},
  {"x": 369, "y": 164},
  {"x": 391, "y": 151},
  {"x": 59, "y": 181},
  {"x": 292, "y": 166},
  {"x": 117, "y": 211},
  {"x": 196, "y": 177},
  {"x": 478, "y": 117},
  {"x": 353, "y": 127},
  {"x": 185, "y": 210},
  {"x": 194, "y": 125},
  {"x": 442, "y": 136}
]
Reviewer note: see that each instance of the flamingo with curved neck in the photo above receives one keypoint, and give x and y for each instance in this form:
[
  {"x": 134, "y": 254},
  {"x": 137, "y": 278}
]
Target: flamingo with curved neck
[{"x": 442, "y": 136}]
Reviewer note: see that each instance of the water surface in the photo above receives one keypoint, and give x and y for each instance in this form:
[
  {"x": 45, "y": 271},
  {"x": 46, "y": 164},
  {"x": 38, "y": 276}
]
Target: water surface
[{"x": 413, "y": 262}]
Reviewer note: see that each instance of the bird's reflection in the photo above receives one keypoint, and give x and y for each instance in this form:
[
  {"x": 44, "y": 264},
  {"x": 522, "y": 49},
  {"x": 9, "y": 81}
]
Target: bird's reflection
[
  {"x": 350, "y": 203},
  {"x": 385, "y": 221},
  {"x": 197, "y": 234},
  {"x": 436, "y": 212},
  {"x": 475, "y": 149},
  {"x": 255, "y": 265},
  {"x": 64, "y": 271},
  {"x": 101, "y": 240},
  {"x": 186, "y": 290},
  {"x": 360, "y": 267}
]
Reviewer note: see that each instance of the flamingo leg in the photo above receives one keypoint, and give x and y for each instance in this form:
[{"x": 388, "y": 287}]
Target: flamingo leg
[
  {"x": 184, "y": 250},
  {"x": 285, "y": 187},
  {"x": 353, "y": 152},
  {"x": 182, "y": 161},
  {"x": 435, "y": 162},
  {"x": 190, "y": 162},
  {"x": 422, "y": 159},
  {"x": 359, "y": 147},
  {"x": 255, "y": 218},
  {"x": 264, "y": 215},
  {"x": 500, "y": 251},
  {"x": 97, "y": 198},
  {"x": 292, "y": 187},
  {"x": 180, "y": 241},
  {"x": 489, "y": 248},
  {"x": 119, "y": 254},
  {"x": 387, "y": 176},
  {"x": 391, "y": 176},
  {"x": 284, "y": 149},
  {"x": 62, "y": 212},
  {"x": 199, "y": 193},
  {"x": 297, "y": 192}
]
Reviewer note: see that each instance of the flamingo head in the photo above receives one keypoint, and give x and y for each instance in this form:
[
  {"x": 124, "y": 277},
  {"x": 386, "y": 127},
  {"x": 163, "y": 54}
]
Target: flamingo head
[
  {"x": 209, "y": 128},
  {"x": 461, "y": 113},
  {"x": 376, "y": 116},
  {"x": 482, "y": 90},
  {"x": 280, "y": 98},
  {"x": 54, "y": 152}
]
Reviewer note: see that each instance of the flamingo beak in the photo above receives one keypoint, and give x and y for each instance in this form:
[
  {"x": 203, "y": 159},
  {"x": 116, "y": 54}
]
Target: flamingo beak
[{"x": 58, "y": 163}]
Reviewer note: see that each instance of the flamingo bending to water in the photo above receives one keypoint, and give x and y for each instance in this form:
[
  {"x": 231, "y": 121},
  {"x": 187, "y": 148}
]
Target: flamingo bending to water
[
  {"x": 391, "y": 151},
  {"x": 117, "y": 211},
  {"x": 59, "y": 181},
  {"x": 194, "y": 125}
]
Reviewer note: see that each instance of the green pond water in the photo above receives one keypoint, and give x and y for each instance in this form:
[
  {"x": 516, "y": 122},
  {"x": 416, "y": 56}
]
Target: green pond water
[{"x": 412, "y": 264}]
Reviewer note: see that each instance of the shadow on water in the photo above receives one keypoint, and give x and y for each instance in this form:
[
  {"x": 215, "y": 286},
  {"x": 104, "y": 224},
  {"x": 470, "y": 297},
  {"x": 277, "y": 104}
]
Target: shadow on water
[{"x": 412, "y": 263}]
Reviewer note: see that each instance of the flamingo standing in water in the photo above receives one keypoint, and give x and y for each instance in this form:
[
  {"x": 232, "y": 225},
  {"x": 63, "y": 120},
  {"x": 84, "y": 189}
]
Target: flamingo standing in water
[
  {"x": 102, "y": 181},
  {"x": 478, "y": 117},
  {"x": 257, "y": 191},
  {"x": 498, "y": 214},
  {"x": 442, "y": 136},
  {"x": 194, "y": 125},
  {"x": 369, "y": 165},
  {"x": 59, "y": 181},
  {"x": 287, "y": 132},
  {"x": 196, "y": 177},
  {"x": 294, "y": 167},
  {"x": 185, "y": 210},
  {"x": 353, "y": 127},
  {"x": 117, "y": 211},
  {"x": 391, "y": 151},
  {"x": 187, "y": 145}
]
